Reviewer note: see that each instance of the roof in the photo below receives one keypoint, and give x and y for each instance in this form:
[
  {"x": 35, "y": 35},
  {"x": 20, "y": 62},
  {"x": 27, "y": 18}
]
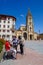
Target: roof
[
  {"x": 19, "y": 30},
  {"x": 41, "y": 34},
  {"x": 35, "y": 33},
  {"x": 2, "y": 16}
]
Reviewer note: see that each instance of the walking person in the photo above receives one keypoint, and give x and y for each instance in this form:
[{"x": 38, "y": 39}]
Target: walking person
[
  {"x": 15, "y": 42},
  {"x": 21, "y": 45},
  {"x": 15, "y": 45}
]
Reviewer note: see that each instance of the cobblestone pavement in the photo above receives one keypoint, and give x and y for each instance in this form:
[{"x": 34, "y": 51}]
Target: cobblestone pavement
[{"x": 29, "y": 58}]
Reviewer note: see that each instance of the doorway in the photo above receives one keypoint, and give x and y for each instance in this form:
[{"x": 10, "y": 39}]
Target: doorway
[
  {"x": 25, "y": 35},
  {"x": 31, "y": 37}
]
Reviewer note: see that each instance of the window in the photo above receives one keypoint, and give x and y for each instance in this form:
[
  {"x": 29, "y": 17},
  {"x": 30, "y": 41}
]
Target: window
[
  {"x": 13, "y": 19},
  {"x": 0, "y": 30},
  {"x": 30, "y": 29},
  {"x": 0, "y": 25},
  {"x": 12, "y": 31},
  {"x": 4, "y": 26},
  {"x": 8, "y": 35},
  {"x": 4, "y": 21},
  {"x": 12, "y": 36},
  {"x": 0, "y": 21},
  {"x": 3, "y": 30},
  {"x": 8, "y": 21},
  {"x": 3, "y": 36},
  {"x": 8, "y": 26},
  {"x": 8, "y": 18},
  {"x": 7, "y": 30},
  {"x": 30, "y": 23}
]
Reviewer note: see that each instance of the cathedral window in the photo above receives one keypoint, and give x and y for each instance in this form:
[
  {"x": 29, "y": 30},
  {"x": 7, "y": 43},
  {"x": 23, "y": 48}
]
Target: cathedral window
[
  {"x": 30, "y": 28},
  {"x": 29, "y": 23}
]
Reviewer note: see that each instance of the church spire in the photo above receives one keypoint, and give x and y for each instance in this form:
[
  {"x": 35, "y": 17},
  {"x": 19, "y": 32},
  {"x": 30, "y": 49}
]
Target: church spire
[{"x": 29, "y": 13}]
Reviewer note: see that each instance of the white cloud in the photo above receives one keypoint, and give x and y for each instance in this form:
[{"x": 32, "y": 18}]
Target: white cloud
[{"x": 22, "y": 15}]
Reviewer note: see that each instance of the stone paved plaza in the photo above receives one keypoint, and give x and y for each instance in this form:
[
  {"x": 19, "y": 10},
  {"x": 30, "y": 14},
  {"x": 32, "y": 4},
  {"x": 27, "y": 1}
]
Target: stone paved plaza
[{"x": 33, "y": 55}]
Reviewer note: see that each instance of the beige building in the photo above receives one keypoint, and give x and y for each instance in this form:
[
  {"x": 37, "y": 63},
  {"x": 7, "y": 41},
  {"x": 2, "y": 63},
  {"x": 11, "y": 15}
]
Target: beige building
[
  {"x": 27, "y": 31},
  {"x": 7, "y": 28}
]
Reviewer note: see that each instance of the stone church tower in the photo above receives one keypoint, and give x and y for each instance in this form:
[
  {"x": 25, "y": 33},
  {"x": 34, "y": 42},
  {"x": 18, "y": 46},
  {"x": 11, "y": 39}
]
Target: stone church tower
[
  {"x": 27, "y": 31},
  {"x": 29, "y": 26}
]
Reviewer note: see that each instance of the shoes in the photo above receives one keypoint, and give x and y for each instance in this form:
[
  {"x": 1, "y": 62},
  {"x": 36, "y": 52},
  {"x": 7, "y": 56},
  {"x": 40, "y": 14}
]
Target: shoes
[{"x": 14, "y": 58}]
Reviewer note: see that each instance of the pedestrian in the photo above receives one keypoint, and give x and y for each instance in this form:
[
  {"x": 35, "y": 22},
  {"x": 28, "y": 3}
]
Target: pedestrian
[
  {"x": 7, "y": 45},
  {"x": 7, "y": 49},
  {"x": 15, "y": 42},
  {"x": 10, "y": 53},
  {"x": 21, "y": 44}
]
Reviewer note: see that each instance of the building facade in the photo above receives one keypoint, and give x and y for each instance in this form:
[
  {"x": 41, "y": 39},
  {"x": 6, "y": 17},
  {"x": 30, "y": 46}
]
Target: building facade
[
  {"x": 7, "y": 28},
  {"x": 6, "y": 24},
  {"x": 27, "y": 31}
]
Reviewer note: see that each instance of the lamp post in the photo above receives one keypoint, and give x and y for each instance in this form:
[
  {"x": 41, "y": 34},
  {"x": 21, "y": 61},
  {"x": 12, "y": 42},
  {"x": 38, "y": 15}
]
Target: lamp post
[
  {"x": 27, "y": 31},
  {"x": 39, "y": 34}
]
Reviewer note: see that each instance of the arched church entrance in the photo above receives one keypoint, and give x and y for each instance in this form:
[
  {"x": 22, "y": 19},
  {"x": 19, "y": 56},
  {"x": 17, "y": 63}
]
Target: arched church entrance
[
  {"x": 31, "y": 37},
  {"x": 25, "y": 35}
]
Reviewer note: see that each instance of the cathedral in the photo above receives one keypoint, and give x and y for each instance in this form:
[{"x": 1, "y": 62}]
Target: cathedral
[
  {"x": 7, "y": 25},
  {"x": 27, "y": 31}
]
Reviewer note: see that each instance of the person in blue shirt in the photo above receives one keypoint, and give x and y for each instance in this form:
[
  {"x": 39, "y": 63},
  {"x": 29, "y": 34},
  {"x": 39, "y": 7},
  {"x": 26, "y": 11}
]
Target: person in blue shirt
[{"x": 15, "y": 42}]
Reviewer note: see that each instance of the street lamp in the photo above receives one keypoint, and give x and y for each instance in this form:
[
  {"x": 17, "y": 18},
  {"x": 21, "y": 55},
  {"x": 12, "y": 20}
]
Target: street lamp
[{"x": 39, "y": 34}]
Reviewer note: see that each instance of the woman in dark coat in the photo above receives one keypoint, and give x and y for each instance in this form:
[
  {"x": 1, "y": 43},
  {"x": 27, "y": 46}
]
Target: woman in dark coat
[{"x": 21, "y": 44}]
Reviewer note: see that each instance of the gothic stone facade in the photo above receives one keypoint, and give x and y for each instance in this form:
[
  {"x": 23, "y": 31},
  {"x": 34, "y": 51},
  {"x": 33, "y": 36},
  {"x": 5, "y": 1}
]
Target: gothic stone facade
[{"x": 27, "y": 31}]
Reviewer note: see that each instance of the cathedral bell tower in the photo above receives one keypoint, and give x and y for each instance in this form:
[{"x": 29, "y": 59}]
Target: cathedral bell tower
[{"x": 29, "y": 26}]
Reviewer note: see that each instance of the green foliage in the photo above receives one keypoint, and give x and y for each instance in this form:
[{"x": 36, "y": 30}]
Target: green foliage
[
  {"x": 1, "y": 47},
  {"x": 2, "y": 41}
]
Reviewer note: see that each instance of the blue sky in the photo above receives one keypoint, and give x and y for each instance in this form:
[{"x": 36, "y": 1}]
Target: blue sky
[{"x": 19, "y": 9}]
